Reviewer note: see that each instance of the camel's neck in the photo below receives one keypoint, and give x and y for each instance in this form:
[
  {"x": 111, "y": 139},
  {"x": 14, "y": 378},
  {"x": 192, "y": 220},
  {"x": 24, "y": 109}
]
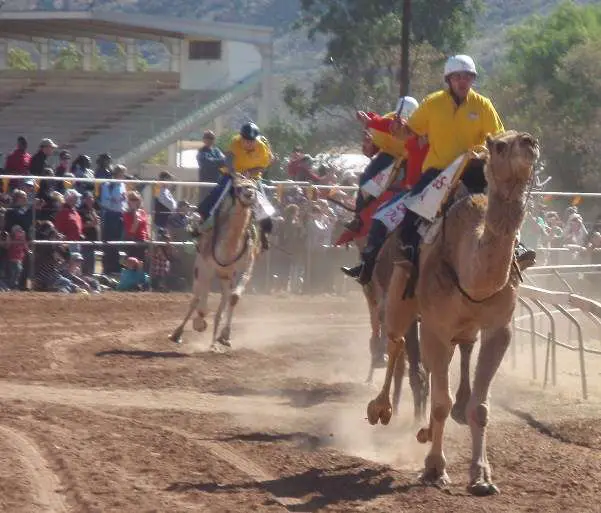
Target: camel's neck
[
  {"x": 487, "y": 265},
  {"x": 232, "y": 232}
]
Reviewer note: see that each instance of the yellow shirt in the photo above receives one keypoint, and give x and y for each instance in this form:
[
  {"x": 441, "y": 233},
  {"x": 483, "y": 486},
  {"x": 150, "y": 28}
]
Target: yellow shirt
[
  {"x": 453, "y": 130},
  {"x": 243, "y": 160},
  {"x": 384, "y": 140}
]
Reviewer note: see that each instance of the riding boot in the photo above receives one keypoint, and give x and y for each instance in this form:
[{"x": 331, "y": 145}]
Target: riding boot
[
  {"x": 524, "y": 257},
  {"x": 363, "y": 272}
]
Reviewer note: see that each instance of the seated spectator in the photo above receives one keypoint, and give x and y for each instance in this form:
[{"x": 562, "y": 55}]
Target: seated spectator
[
  {"x": 73, "y": 273},
  {"x": 17, "y": 249},
  {"x": 68, "y": 221},
  {"x": 49, "y": 261},
  {"x": 135, "y": 225},
  {"x": 133, "y": 278}
]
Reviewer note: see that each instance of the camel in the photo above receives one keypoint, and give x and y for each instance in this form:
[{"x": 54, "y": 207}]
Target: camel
[
  {"x": 468, "y": 282},
  {"x": 375, "y": 295},
  {"x": 229, "y": 250}
]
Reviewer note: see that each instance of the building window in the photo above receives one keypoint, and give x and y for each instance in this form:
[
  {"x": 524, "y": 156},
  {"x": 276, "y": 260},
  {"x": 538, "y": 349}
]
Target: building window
[{"x": 205, "y": 51}]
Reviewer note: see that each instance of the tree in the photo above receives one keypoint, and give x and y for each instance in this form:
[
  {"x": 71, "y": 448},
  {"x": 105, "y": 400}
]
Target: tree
[
  {"x": 363, "y": 51},
  {"x": 69, "y": 58},
  {"x": 20, "y": 59},
  {"x": 550, "y": 85}
]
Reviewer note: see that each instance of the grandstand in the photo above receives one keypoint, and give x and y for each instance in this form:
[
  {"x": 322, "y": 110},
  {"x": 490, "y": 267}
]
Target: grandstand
[{"x": 133, "y": 115}]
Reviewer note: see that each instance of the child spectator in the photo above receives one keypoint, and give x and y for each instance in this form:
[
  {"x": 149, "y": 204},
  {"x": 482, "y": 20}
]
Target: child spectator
[
  {"x": 135, "y": 225},
  {"x": 17, "y": 248},
  {"x": 133, "y": 278}
]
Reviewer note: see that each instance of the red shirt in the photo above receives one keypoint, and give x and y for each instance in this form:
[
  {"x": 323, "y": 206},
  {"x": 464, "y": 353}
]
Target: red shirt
[
  {"x": 141, "y": 232},
  {"x": 415, "y": 160},
  {"x": 68, "y": 222},
  {"x": 17, "y": 162}
]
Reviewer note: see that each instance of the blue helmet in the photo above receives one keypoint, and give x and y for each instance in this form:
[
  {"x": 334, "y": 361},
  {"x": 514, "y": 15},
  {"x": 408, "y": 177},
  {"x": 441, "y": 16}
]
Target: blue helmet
[{"x": 249, "y": 131}]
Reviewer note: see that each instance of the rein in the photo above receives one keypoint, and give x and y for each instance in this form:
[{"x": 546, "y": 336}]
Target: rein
[{"x": 451, "y": 270}]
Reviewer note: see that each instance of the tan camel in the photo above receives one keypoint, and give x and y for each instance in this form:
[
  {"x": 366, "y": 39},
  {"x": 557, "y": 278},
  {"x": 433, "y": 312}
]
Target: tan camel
[
  {"x": 228, "y": 250},
  {"x": 468, "y": 282}
]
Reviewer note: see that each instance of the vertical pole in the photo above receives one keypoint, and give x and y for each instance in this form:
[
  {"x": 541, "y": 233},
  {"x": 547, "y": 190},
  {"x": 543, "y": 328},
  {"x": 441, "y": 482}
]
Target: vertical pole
[{"x": 404, "y": 90}]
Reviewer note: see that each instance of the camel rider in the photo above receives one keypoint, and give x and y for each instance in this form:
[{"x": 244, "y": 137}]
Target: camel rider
[
  {"x": 249, "y": 154},
  {"x": 389, "y": 148},
  {"x": 455, "y": 120},
  {"x": 387, "y": 217}
]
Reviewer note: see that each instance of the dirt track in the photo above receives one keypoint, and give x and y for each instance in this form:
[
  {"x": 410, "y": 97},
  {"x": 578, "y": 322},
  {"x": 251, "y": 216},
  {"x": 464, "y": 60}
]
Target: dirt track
[{"x": 100, "y": 413}]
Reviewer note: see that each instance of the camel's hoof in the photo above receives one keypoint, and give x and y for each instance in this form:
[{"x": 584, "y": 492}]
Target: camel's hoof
[
  {"x": 482, "y": 488},
  {"x": 220, "y": 348},
  {"x": 200, "y": 324},
  {"x": 380, "y": 361},
  {"x": 433, "y": 478},
  {"x": 378, "y": 411},
  {"x": 176, "y": 336},
  {"x": 458, "y": 414},
  {"x": 424, "y": 435},
  {"x": 224, "y": 342}
]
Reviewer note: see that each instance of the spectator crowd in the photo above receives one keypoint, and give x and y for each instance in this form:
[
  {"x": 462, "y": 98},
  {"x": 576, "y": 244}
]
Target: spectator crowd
[
  {"x": 66, "y": 217},
  {"x": 72, "y": 220}
]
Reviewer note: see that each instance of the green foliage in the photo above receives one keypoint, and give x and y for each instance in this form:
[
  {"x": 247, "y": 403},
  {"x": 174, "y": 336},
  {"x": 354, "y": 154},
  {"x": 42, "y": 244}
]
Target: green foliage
[
  {"x": 537, "y": 47},
  {"x": 69, "y": 58},
  {"x": 160, "y": 159},
  {"x": 20, "y": 59},
  {"x": 550, "y": 85}
]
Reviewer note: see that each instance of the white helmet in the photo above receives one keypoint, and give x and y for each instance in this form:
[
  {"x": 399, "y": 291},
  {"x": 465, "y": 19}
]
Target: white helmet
[
  {"x": 406, "y": 106},
  {"x": 458, "y": 64}
]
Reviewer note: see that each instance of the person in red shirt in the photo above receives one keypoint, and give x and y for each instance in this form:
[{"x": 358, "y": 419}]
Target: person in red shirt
[
  {"x": 17, "y": 163},
  {"x": 135, "y": 225},
  {"x": 68, "y": 221},
  {"x": 17, "y": 250},
  {"x": 417, "y": 149}
]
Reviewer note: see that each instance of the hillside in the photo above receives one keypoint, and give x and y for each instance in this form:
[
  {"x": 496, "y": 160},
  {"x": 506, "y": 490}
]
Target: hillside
[{"x": 293, "y": 52}]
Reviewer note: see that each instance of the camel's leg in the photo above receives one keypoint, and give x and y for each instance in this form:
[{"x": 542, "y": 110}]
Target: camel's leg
[
  {"x": 226, "y": 292},
  {"x": 375, "y": 342},
  {"x": 200, "y": 292},
  {"x": 464, "y": 391},
  {"x": 234, "y": 291},
  {"x": 399, "y": 316},
  {"x": 399, "y": 374},
  {"x": 419, "y": 379},
  {"x": 493, "y": 347},
  {"x": 203, "y": 273},
  {"x": 437, "y": 354}
]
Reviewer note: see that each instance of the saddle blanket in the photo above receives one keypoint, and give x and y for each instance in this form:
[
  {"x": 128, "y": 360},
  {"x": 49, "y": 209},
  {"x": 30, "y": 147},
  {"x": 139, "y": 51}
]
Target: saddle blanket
[
  {"x": 427, "y": 203},
  {"x": 376, "y": 186}
]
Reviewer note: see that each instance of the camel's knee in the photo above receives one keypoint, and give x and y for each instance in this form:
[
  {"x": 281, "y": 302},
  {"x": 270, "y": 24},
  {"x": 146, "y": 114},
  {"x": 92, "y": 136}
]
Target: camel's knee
[
  {"x": 441, "y": 408},
  {"x": 479, "y": 414},
  {"x": 235, "y": 297}
]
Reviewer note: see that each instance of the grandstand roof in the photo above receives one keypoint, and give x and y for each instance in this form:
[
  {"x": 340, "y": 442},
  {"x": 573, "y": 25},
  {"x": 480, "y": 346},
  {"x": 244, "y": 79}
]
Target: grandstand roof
[{"x": 62, "y": 25}]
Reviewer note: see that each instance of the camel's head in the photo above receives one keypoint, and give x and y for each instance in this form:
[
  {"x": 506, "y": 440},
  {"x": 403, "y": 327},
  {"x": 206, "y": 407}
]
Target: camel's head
[
  {"x": 245, "y": 191},
  {"x": 511, "y": 161}
]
